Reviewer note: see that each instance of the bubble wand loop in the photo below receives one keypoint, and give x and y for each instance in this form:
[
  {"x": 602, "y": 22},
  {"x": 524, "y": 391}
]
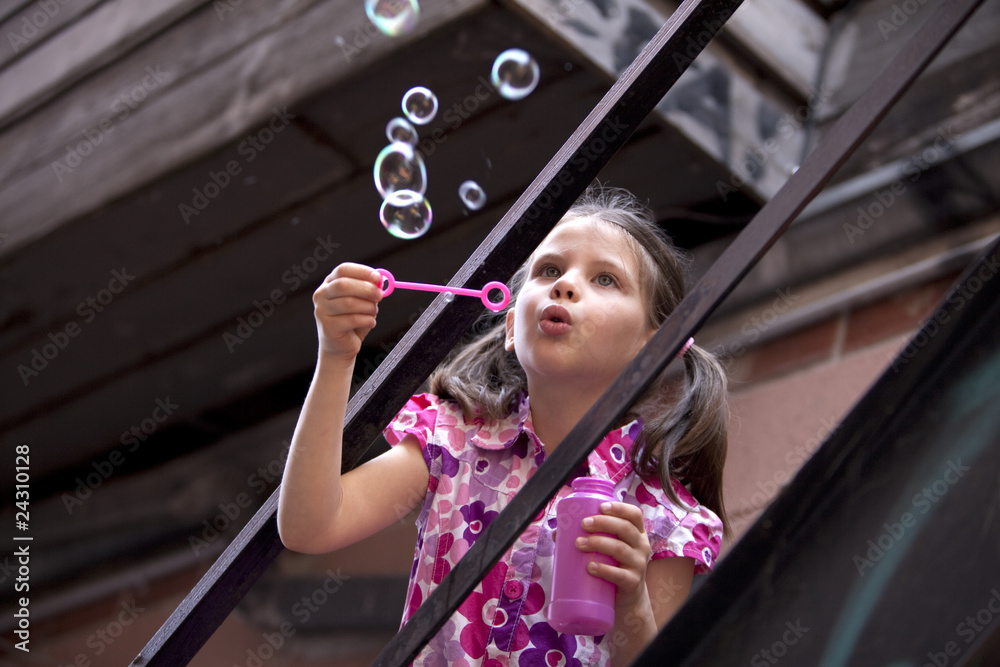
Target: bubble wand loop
[{"x": 391, "y": 284}]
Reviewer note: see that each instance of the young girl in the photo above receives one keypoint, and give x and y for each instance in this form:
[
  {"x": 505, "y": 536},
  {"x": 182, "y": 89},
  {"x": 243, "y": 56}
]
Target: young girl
[{"x": 585, "y": 303}]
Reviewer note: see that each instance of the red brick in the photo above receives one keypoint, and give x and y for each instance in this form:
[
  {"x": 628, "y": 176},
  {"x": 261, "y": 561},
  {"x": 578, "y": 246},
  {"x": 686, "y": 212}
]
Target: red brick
[
  {"x": 801, "y": 348},
  {"x": 894, "y": 315}
]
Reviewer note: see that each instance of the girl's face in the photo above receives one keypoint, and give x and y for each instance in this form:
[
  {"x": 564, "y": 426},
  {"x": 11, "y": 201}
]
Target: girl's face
[{"x": 581, "y": 315}]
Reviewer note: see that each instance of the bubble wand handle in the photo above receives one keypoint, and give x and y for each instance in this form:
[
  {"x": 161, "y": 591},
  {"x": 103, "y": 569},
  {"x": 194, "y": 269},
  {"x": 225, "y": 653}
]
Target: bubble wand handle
[{"x": 391, "y": 284}]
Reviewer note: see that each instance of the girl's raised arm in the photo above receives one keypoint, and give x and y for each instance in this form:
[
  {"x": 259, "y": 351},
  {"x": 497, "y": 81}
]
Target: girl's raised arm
[{"x": 318, "y": 510}]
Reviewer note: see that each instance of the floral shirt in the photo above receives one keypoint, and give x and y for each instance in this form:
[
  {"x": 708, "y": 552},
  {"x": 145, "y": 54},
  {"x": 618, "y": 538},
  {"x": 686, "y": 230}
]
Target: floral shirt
[{"x": 475, "y": 470}]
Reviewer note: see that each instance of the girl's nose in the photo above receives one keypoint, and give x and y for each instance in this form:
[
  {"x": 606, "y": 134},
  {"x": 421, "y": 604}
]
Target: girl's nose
[{"x": 563, "y": 288}]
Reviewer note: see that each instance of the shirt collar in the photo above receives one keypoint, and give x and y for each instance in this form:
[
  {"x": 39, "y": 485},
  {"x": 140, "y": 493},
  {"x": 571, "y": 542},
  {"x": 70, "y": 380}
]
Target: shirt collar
[{"x": 610, "y": 459}]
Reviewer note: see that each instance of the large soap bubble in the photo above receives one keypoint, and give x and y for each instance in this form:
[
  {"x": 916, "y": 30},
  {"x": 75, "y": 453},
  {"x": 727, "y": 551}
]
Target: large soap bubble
[
  {"x": 420, "y": 105},
  {"x": 393, "y": 17},
  {"x": 515, "y": 74},
  {"x": 399, "y": 167},
  {"x": 406, "y": 214}
]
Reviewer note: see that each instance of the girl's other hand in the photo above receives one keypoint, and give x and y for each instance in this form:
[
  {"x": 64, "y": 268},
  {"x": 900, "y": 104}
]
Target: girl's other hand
[
  {"x": 629, "y": 547},
  {"x": 346, "y": 305}
]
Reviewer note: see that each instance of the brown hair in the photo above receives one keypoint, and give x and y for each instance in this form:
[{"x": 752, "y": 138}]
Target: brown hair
[{"x": 684, "y": 431}]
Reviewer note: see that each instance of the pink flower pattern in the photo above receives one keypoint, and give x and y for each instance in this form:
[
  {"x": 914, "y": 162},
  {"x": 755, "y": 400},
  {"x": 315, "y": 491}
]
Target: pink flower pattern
[{"x": 475, "y": 469}]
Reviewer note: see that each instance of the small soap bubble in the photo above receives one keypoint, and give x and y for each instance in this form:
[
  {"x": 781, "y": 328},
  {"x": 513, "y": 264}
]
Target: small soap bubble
[
  {"x": 515, "y": 74},
  {"x": 393, "y": 17},
  {"x": 449, "y": 297},
  {"x": 472, "y": 195},
  {"x": 406, "y": 214},
  {"x": 400, "y": 129},
  {"x": 420, "y": 105},
  {"x": 399, "y": 167}
]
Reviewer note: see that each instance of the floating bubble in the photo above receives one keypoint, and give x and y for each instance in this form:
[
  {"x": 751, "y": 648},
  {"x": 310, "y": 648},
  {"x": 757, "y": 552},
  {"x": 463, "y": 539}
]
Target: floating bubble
[
  {"x": 400, "y": 129},
  {"x": 449, "y": 296},
  {"x": 420, "y": 105},
  {"x": 406, "y": 214},
  {"x": 472, "y": 195},
  {"x": 399, "y": 167},
  {"x": 393, "y": 17},
  {"x": 515, "y": 74}
]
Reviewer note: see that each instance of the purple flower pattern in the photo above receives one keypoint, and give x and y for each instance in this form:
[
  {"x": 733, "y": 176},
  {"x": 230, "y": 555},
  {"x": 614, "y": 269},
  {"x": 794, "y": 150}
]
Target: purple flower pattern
[{"x": 476, "y": 467}]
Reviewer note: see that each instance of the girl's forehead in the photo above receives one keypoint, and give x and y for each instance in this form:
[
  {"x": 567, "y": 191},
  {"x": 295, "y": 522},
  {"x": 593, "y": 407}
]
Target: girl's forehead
[{"x": 590, "y": 234}]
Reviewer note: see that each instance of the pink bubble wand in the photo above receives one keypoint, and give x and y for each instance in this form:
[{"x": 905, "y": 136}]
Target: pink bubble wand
[{"x": 484, "y": 294}]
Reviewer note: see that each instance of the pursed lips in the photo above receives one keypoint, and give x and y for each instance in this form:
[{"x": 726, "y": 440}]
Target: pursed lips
[{"x": 555, "y": 320}]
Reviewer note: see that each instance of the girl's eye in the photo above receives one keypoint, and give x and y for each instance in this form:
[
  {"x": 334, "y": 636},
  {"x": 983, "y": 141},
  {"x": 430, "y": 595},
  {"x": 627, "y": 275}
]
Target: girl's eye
[
  {"x": 606, "y": 280},
  {"x": 549, "y": 271}
]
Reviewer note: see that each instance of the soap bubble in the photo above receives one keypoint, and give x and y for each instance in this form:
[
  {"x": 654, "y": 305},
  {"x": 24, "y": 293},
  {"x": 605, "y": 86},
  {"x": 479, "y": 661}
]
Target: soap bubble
[
  {"x": 406, "y": 214},
  {"x": 393, "y": 17},
  {"x": 399, "y": 167},
  {"x": 515, "y": 74},
  {"x": 400, "y": 129},
  {"x": 420, "y": 105},
  {"x": 472, "y": 195},
  {"x": 449, "y": 296}
]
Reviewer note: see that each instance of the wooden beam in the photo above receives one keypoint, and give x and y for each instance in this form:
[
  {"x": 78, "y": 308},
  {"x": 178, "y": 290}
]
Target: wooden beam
[
  {"x": 718, "y": 104},
  {"x": 227, "y": 80},
  {"x": 111, "y": 30}
]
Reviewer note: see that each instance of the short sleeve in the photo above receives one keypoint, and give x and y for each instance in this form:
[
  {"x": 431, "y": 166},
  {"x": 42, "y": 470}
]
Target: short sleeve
[
  {"x": 417, "y": 418},
  {"x": 691, "y": 529}
]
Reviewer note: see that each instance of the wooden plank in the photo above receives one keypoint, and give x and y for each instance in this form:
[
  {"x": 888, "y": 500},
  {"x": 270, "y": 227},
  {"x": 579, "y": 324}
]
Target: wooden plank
[
  {"x": 27, "y": 27},
  {"x": 787, "y": 36},
  {"x": 718, "y": 104},
  {"x": 9, "y": 7},
  {"x": 866, "y": 39},
  {"x": 111, "y": 30},
  {"x": 282, "y": 64}
]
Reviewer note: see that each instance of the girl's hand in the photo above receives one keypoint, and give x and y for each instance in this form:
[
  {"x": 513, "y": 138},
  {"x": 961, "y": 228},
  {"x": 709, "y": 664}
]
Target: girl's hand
[
  {"x": 629, "y": 546},
  {"x": 346, "y": 305}
]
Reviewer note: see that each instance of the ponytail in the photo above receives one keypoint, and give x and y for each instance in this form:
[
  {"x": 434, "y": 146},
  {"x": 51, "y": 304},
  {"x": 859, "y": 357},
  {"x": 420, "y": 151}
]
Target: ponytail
[{"x": 684, "y": 433}]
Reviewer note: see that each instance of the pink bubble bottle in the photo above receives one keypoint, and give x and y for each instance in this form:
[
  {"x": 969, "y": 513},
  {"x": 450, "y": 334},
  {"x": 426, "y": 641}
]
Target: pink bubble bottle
[{"x": 581, "y": 604}]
